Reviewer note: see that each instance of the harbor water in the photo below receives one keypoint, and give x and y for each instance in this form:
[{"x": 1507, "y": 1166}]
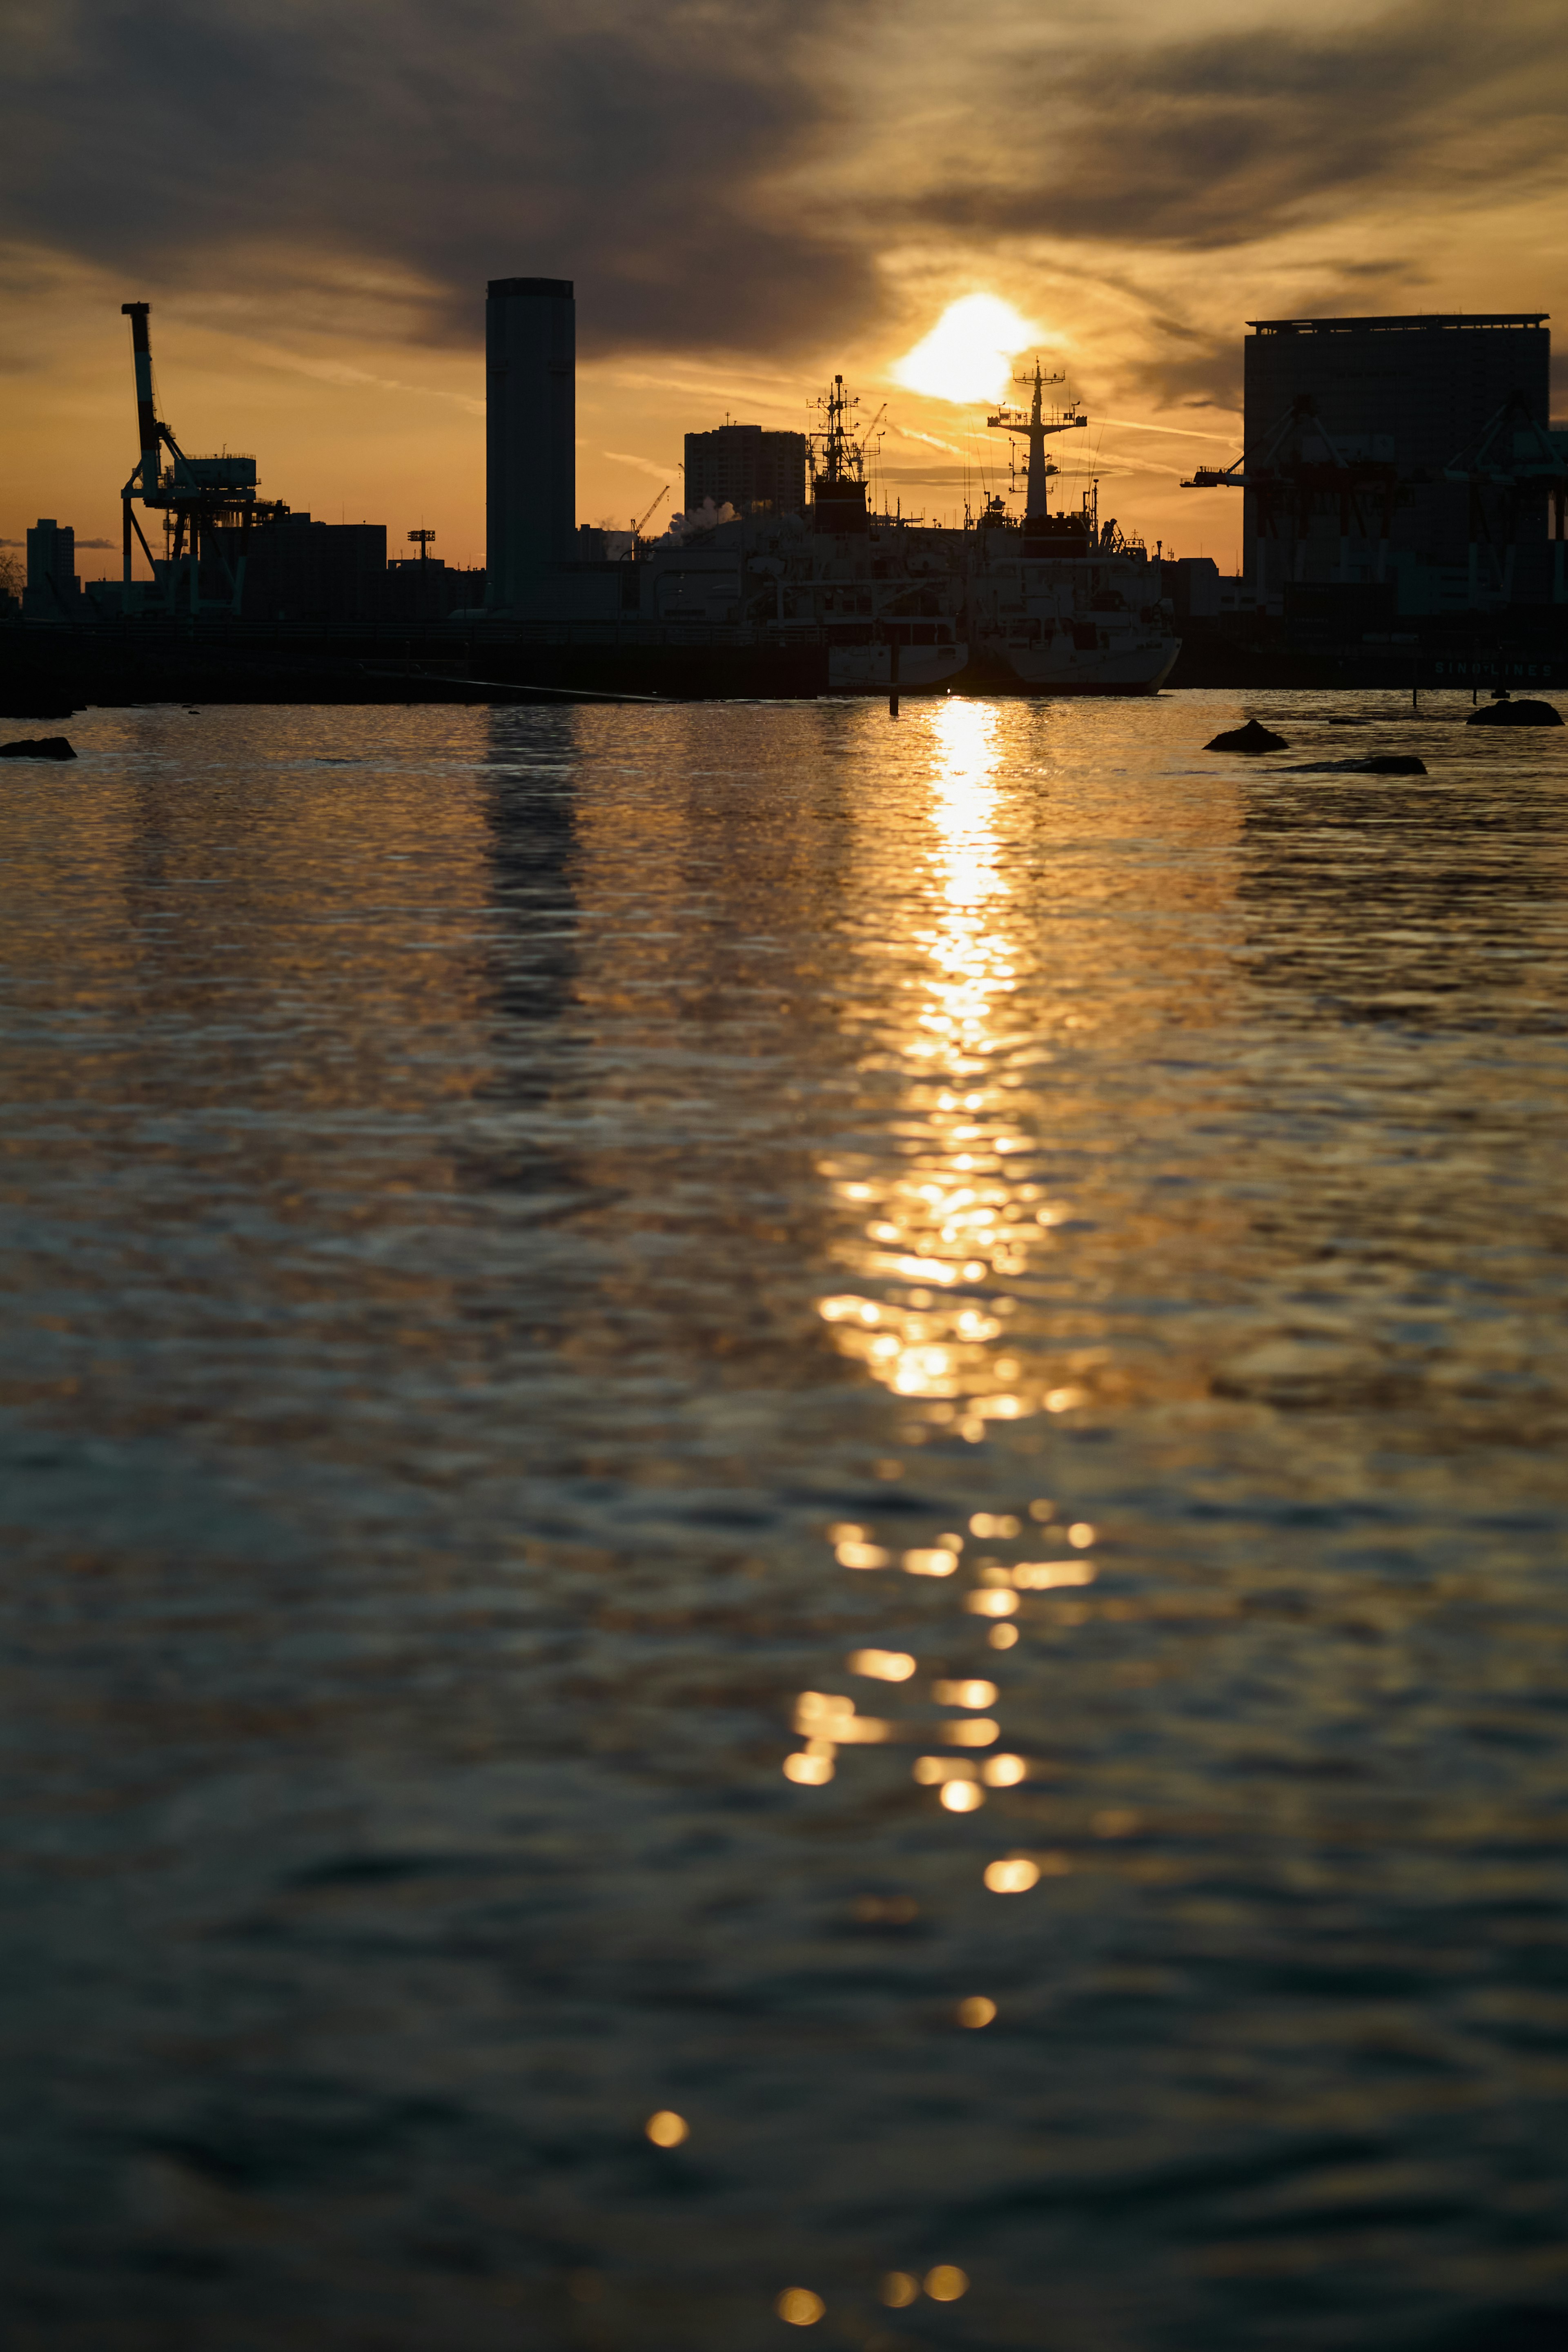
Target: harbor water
[{"x": 855, "y": 1431}]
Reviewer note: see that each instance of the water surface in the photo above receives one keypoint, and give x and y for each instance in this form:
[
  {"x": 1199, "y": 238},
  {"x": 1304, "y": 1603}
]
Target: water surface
[{"x": 531, "y": 1236}]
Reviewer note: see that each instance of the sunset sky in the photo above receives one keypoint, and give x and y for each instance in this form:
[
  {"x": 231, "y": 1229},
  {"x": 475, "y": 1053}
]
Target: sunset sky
[{"x": 750, "y": 194}]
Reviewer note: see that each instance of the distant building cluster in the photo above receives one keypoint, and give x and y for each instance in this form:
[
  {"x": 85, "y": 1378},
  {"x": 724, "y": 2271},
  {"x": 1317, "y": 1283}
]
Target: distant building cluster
[
  {"x": 1398, "y": 466},
  {"x": 296, "y": 569}
]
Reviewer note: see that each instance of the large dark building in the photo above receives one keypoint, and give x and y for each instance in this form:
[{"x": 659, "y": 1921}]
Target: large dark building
[
  {"x": 750, "y": 468},
  {"x": 1394, "y": 403},
  {"x": 296, "y": 569}
]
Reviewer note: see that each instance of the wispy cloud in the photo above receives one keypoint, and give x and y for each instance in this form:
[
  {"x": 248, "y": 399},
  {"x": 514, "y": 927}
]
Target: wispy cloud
[{"x": 667, "y": 473}]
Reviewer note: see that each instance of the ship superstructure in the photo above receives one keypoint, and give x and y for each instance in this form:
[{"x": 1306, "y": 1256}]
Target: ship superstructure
[{"x": 1046, "y": 602}]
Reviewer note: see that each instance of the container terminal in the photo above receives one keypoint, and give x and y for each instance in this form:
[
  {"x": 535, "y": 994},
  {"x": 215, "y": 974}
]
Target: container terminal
[{"x": 1403, "y": 512}]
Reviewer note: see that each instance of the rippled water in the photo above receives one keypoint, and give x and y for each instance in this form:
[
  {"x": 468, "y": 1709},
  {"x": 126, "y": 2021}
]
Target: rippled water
[{"x": 533, "y": 1235}]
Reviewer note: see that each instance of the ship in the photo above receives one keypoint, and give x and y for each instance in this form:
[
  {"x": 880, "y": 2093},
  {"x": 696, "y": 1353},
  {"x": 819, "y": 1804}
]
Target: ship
[
  {"x": 1045, "y": 602},
  {"x": 1059, "y": 602},
  {"x": 886, "y": 597}
]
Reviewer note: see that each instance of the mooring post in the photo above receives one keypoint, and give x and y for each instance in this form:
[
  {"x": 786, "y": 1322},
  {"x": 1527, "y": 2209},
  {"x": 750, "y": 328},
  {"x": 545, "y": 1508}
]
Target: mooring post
[{"x": 893, "y": 679}]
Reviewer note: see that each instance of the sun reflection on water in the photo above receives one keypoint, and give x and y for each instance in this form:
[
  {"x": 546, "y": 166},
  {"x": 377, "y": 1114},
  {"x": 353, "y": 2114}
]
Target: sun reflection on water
[
  {"x": 960, "y": 1215},
  {"x": 936, "y": 1245}
]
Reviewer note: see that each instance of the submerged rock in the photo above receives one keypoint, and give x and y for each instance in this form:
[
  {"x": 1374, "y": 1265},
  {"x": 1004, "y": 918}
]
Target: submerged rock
[
  {"x": 38, "y": 747},
  {"x": 1506, "y": 712},
  {"x": 1381, "y": 763},
  {"x": 1250, "y": 737}
]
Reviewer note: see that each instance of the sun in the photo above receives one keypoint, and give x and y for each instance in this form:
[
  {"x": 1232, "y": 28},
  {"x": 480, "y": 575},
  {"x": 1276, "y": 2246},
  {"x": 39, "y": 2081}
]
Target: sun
[{"x": 966, "y": 357}]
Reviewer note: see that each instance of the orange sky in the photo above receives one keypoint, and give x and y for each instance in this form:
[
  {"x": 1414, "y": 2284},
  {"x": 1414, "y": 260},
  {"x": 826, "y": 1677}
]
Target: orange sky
[{"x": 751, "y": 195}]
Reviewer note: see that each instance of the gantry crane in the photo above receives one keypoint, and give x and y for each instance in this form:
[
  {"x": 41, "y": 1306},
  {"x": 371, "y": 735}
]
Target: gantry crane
[
  {"x": 201, "y": 501},
  {"x": 1298, "y": 470},
  {"x": 1513, "y": 461}
]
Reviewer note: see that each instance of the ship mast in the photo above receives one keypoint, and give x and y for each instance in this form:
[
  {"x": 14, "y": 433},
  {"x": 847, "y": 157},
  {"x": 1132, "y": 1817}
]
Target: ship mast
[
  {"x": 1033, "y": 429},
  {"x": 840, "y": 459}
]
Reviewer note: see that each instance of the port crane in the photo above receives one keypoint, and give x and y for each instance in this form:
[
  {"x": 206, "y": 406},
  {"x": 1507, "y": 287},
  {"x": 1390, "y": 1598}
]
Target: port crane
[
  {"x": 641, "y": 520},
  {"x": 1298, "y": 470},
  {"x": 201, "y": 501},
  {"x": 1511, "y": 462}
]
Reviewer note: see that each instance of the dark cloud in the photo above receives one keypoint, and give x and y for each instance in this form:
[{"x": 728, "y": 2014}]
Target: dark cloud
[
  {"x": 351, "y": 153},
  {"x": 1211, "y": 143},
  {"x": 607, "y": 141}
]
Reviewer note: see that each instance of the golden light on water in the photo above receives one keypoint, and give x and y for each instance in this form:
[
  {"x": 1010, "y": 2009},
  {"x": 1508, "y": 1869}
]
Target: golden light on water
[
  {"x": 936, "y": 1244},
  {"x": 968, "y": 1693},
  {"x": 861, "y": 1554},
  {"x": 800, "y": 2307},
  {"x": 808, "y": 1771},
  {"x": 931, "y": 1561},
  {"x": 1014, "y": 1877},
  {"x": 946, "y": 2283},
  {"x": 887, "y": 1667},
  {"x": 939, "y": 1238},
  {"x": 667, "y": 2129},
  {"x": 899, "y": 2290},
  {"x": 976, "y": 2011},
  {"x": 967, "y": 357},
  {"x": 972, "y": 1731},
  {"x": 1050, "y": 1575},
  {"x": 990, "y": 1603}
]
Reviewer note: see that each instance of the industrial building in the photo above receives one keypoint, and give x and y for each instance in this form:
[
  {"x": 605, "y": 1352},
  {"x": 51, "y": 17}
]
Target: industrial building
[
  {"x": 1410, "y": 457},
  {"x": 751, "y": 468},
  {"x": 530, "y": 435}
]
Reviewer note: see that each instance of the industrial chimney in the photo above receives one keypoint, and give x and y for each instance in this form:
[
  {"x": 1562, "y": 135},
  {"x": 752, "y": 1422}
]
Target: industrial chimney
[{"x": 530, "y": 426}]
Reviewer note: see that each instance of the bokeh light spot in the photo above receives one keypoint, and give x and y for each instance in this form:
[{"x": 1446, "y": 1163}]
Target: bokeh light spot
[{"x": 1014, "y": 1876}]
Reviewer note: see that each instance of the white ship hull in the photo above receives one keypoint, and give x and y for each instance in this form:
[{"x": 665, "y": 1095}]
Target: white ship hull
[
  {"x": 1058, "y": 664},
  {"x": 867, "y": 669}
]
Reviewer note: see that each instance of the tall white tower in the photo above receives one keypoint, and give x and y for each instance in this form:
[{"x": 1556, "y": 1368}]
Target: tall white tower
[{"x": 530, "y": 434}]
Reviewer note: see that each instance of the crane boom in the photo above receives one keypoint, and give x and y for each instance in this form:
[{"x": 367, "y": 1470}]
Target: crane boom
[{"x": 636, "y": 527}]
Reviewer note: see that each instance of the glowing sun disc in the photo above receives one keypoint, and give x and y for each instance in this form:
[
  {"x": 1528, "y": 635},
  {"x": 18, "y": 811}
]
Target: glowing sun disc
[{"x": 967, "y": 356}]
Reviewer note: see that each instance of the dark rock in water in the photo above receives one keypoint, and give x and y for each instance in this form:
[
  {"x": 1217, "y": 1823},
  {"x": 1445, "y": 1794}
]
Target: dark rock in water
[
  {"x": 1250, "y": 737},
  {"x": 1506, "y": 712},
  {"x": 1381, "y": 763},
  {"x": 38, "y": 747}
]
